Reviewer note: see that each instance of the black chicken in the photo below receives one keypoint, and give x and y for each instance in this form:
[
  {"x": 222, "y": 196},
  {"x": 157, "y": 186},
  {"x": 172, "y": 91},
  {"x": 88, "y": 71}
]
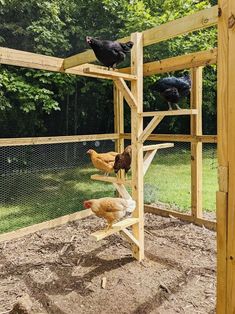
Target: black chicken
[
  {"x": 109, "y": 53},
  {"x": 173, "y": 88}
]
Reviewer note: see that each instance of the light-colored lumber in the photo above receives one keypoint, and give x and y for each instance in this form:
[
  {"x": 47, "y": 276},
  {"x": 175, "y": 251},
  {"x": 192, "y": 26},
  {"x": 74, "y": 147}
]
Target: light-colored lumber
[
  {"x": 101, "y": 234},
  {"x": 196, "y": 147},
  {"x": 181, "y": 112},
  {"x": 129, "y": 236},
  {"x": 127, "y": 94},
  {"x": 176, "y": 138},
  {"x": 105, "y": 73},
  {"x": 84, "y": 57},
  {"x": 122, "y": 191},
  {"x": 151, "y": 150},
  {"x": 231, "y": 160},
  {"x": 222, "y": 130},
  {"x": 137, "y": 147},
  {"x": 209, "y": 224},
  {"x": 45, "y": 225},
  {"x": 30, "y": 60},
  {"x": 190, "y": 23},
  {"x": 110, "y": 179},
  {"x": 157, "y": 146},
  {"x": 56, "y": 139},
  {"x": 150, "y": 127},
  {"x": 190, "y": 60}
]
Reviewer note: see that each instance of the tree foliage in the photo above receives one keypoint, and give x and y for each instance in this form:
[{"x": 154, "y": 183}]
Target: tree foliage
[{"x": 34, "y": 103}]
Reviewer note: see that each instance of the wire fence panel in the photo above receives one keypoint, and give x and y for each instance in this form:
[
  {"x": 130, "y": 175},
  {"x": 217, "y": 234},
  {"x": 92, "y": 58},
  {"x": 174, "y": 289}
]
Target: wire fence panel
[{"x": 42, "y": 182}]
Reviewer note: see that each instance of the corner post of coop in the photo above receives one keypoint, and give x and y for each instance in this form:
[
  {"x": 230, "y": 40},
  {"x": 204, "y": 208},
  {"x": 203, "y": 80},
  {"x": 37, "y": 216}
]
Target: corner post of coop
[
  {"x": 226, "y": 159},
  {"x": 137, "y": 146}
]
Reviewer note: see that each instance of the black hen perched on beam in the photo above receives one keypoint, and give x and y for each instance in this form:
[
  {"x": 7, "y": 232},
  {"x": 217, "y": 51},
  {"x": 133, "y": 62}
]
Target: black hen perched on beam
[
  {"x": 109, "y": 53},
  {"x": 173, "y": 88}
]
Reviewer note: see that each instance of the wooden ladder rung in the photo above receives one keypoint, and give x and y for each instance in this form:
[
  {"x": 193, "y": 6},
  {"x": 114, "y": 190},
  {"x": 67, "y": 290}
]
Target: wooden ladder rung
[
  {"x": 110, "y": 179},
  {"x": 101, "y": 234},
  {"x": 157, "y": 146},
  {"x": 180, "y": 112}
]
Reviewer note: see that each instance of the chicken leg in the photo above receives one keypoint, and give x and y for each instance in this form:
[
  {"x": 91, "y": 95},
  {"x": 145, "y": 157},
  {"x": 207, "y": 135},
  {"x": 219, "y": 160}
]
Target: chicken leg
[
  {"x": 169, "y": 105},
  {"x": 177, "y": 107}
]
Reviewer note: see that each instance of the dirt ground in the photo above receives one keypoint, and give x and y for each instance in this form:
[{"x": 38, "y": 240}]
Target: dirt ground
[{"x": 62, "y": 270}]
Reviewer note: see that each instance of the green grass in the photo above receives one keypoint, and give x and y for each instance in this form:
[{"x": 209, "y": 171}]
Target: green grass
[{"x": 37, "y": 197}]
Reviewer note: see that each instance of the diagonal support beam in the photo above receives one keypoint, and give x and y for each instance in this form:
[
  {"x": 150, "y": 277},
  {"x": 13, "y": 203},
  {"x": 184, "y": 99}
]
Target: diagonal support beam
[
  {"x": 129, "y": 237},
  {"x": 148, "y": 157},
  {"x": 127, "y": 94},
  {"x": 122, "y": 191},
  {"x": 150, "y": 127}
]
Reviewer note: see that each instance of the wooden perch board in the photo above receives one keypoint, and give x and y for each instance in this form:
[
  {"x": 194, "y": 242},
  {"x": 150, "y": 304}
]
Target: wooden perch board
[
  {"x": 92, "y": 69},
  {"x": 101, "y": 234},
  {"x": 181, "y": 112}
]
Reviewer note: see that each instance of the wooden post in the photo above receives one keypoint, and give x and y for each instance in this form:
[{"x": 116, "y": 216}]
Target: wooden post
[
  {"x": 231, "y": 160},
  {"x": 196, "y": 147},
  {"x": 137, "y": 146},
  {"x": 118, "y": 118}
]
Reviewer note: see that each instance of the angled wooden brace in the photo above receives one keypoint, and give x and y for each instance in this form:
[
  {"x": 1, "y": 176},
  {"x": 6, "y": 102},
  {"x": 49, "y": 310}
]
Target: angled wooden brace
[
  {"x": 150, "y": 127},
  {"x": 122, "y": 191},
  {"x": 127, "y": 94}
]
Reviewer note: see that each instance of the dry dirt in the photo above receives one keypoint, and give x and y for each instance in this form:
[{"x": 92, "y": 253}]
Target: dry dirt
[{"x": 62, "y": 270}]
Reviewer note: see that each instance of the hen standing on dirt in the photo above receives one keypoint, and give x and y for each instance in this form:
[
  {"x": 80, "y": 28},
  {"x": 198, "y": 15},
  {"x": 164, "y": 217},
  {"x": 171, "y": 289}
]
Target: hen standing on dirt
[
  {"x": 109, "y": 53},
  {"x": 173, "y": 88}
]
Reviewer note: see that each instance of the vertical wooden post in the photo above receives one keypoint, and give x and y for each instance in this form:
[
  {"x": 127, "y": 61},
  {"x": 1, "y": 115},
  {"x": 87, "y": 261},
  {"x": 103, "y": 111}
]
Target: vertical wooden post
[
  {"x": 196, "y": 147},
  {"x": 231, "y": 160},
  {"x": 118, "y": 118},
  {"x": 137, "y": 146}
]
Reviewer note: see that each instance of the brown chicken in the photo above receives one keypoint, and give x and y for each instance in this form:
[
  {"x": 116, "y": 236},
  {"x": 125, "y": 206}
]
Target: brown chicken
[
  {"x": 123, "y": 161},
  {"x": 103, "y": 161},
  {"x": 111, "y": 209}
]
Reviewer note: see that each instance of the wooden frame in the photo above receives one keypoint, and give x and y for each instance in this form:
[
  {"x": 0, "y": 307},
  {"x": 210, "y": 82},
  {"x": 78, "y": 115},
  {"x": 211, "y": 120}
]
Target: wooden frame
[{"x": 225, "y": 58}]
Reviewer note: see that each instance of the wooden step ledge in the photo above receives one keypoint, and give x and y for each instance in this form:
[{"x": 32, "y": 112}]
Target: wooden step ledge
[
  {"x": 110, "y": 179},
  {"x": 101, "y": 234},
  {"x": 170, "y": 113},
  {"x": 92, "y": 69},
  {"x": 147, "y": 148}
]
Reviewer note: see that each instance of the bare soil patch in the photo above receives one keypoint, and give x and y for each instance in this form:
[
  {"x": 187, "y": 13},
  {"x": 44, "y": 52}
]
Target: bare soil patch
[{"x": 62, "y": 270}]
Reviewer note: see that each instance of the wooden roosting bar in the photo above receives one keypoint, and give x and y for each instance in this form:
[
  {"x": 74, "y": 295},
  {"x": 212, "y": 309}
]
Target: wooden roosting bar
[{"x": 224, "y": 16}]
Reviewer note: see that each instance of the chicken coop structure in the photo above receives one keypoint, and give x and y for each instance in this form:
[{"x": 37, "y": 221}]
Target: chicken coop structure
[{"x": 222, "y": 15}]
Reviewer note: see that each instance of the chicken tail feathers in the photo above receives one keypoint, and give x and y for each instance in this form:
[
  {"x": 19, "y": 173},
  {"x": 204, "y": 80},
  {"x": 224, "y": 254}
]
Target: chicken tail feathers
[{"x": 131, "y": 205}]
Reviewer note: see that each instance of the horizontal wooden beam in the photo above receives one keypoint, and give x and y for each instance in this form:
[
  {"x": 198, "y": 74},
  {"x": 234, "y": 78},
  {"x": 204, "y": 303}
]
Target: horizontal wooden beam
[
  {"x": 190, "y": 23},
  {"x": 30, "y": 60},
  {"x": 209, "y": 224},
  {"x": 45, "y": 225},
  {"x": 84, "y": 57},
  {"x": 105, "y": 73},
  {"x": 110, "y": 179},
  {"x": 176, "y": 138},
  {"x": 56, "y": 139},
  {"x": 187, "y": 61},
  {"x": 157, "y": 146},
  {"x": 101, "y": 234},
  {"x": 181, "y": 112}
]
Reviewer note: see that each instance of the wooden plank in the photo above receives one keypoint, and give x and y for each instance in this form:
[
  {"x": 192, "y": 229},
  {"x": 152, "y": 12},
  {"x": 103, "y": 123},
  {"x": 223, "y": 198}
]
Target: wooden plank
[
  {"x": 129, "y": 236},
  {"x": 222, "y": 129},
  {"x": 30, "y": 60},
  {"x": 181, "y": 112},
  {"x": 150, "y": 127},
  {"x": 122, "y": 191},
  {"x": 196, "y": 147},
  {"x": 157, "y": 146},
  {"x": 148, "y": 157},
  {"x": 209, "y": 224},
  {"x": 101, "y": 234},
  {"x": 190, "y": 23},
  {"x": 110, "y": 179},
  {"x": 45, "y": 225},
  {"x": 221, "y": 205},
  {"x": 231, "y": 160},
  {"x": 56, "y": 139},
  {"x": 105, "y": 73},
  {"x": 84, "y": 57},
  {"x": 176, "y": 138},
  {"x": 187, "y": 61},
  {"x": 137, "y": 147},
  {"x": 127, "y": 94}
]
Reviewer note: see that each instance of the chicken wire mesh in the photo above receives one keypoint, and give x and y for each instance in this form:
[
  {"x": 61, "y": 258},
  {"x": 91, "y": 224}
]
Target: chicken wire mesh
[{"x": 41, "y": 182}]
